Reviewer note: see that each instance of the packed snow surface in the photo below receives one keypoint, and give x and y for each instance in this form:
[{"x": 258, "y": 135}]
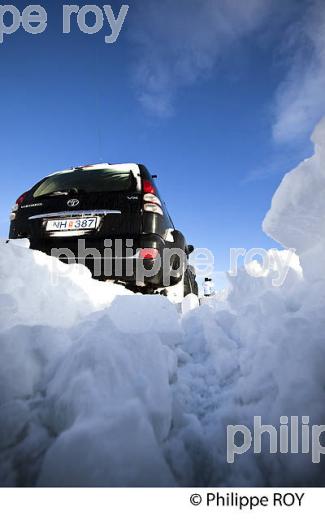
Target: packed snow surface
[{"x": 101, "y": 387}]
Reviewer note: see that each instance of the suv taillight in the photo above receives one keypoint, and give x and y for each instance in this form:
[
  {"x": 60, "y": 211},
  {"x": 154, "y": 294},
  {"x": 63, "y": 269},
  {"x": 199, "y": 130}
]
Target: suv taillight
[
  {"x": 153, "y": 208},
  {"x": 149, "y": 197},
  {"x": 148, "y": 187},
  {"x": 21, "y": 199},
  {"x": 151, "y": 201}
]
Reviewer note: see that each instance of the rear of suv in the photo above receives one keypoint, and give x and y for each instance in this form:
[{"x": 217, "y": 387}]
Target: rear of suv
[{"x": 111, "y": 218}]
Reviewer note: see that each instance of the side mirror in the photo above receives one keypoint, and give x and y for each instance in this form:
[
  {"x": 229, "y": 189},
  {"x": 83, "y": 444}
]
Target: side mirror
[
  {"x": 190, "y": 249},
  {"x": 154, "y": 176}
]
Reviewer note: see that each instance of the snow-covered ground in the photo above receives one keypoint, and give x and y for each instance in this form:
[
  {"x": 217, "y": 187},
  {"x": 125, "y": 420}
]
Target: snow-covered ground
[{"x": 101, "y": 387}]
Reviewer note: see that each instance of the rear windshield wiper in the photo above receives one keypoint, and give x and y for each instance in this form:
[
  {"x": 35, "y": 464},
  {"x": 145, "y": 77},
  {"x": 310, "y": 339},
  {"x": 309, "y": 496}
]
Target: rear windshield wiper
[{"x": 52, "y": 194}]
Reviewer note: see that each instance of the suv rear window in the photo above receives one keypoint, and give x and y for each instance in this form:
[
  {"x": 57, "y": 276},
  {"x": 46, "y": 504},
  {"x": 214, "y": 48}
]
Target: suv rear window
[{"x": 89, "y": 182}]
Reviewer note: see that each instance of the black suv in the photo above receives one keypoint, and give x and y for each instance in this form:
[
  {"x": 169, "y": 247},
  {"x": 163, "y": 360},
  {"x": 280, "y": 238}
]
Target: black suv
[{"x": 111, "y": 218}]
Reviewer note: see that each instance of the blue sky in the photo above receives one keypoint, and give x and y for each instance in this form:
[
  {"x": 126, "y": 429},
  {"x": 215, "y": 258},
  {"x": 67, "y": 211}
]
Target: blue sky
[{"x": 216, "y": 97}]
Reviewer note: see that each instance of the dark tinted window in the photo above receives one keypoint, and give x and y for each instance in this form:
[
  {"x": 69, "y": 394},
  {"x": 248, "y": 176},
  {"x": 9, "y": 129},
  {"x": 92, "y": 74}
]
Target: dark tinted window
[{"x": 88, "y": 181}]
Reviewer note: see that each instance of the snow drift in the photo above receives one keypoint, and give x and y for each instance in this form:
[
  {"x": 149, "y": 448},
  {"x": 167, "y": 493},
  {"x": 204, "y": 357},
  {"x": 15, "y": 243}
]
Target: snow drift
[
  {"x": 99, "y": 387},
  {"x": 85, "y": 377},
  {"x": 296, "y": 218}
]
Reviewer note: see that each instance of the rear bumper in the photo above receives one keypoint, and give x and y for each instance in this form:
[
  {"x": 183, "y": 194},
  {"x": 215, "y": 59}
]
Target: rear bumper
[{"x": 112, "y": 258}]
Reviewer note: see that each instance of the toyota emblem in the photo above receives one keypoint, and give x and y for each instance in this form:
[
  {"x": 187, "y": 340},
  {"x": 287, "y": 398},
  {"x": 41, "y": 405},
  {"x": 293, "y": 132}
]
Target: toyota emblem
[{"x": 72, "y": 203}]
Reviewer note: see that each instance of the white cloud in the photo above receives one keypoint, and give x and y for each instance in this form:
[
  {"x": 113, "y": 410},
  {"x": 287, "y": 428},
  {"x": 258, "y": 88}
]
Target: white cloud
[
  {"x": 180, "y": 42},
  {"x": 300, "y": 101}
]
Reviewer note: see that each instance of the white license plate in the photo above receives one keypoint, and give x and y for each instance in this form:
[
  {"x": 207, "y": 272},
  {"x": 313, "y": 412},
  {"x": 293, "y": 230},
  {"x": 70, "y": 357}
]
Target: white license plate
[{"x": 72, "y": 224}]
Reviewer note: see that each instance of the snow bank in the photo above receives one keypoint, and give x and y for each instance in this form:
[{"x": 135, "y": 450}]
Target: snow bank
[
  {"x": 264, "y": 356},
  {"x": 85, "y": 395},
  {"x": 260, "y": 353},
  {"x": 39, "y": 290},
  {"x": 99, "y": 387},
  {"x": 297, "y": 216}
]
